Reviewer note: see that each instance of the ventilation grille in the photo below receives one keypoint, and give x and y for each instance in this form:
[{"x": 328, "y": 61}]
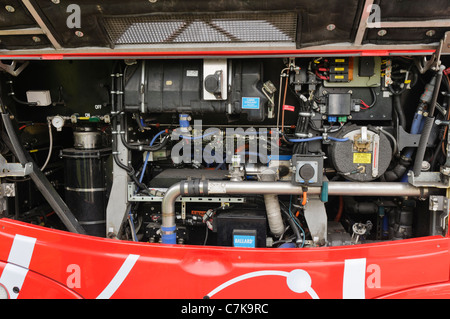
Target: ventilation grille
[{"x": 203, "y": 28}]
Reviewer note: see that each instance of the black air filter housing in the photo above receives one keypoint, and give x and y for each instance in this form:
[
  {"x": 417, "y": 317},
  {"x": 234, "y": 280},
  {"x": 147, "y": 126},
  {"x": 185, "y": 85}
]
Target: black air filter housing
[{"x": 161, "y": 86}]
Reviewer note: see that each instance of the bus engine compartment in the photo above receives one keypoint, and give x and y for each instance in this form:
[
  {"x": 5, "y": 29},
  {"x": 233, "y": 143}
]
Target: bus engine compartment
[{"x": 258, "y": 152}]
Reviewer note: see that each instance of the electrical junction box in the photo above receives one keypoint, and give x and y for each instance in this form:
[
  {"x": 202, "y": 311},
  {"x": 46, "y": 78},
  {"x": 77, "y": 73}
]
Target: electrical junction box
[
  {"x": 41, "y": 98},
  {"x": 308, "y": 170}
]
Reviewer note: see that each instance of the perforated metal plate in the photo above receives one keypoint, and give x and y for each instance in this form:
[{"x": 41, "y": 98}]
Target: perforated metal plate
[{"x": 202, "y": 28}]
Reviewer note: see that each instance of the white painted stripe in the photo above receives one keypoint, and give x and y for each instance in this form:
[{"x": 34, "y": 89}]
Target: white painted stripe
[
  {"x": 298, "y": 281},
  {"x": 119, "y": 277},
  {"x": 354, "y": 284},
  {"x": 247, "y": 276},
  {"x": 16, "y": 269},
  {"x": 21, "y": 250}
]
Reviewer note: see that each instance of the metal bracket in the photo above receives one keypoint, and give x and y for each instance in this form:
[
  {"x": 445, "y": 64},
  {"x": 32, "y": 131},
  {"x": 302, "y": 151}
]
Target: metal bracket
[
  {"x": 435, "y": 60},
  {"x": 7, "y": 190},
  {"x": 445, "y": 49},
  {"x": 405, "y": 139},
  {"x": 133, "y": 197},
  {"x": 316, "y": 218},
  {"x": 12, "y": 68},
  {"x": 429, "y": 179},
  {"x": 14, "y": 169},
  {"x": 439, "y": 208}
]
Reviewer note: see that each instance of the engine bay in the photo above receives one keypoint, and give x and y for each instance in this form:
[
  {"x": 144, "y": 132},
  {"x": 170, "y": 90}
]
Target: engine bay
[{"x": 266, "y": 152}]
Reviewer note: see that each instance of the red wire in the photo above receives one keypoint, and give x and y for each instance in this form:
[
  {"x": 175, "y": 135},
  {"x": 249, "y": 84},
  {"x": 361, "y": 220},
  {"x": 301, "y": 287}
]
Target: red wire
[{"x": 366, "y": 106}]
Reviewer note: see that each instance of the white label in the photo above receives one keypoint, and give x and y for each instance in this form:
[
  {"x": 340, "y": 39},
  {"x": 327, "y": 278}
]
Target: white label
[{"x": 193, "y": 73}]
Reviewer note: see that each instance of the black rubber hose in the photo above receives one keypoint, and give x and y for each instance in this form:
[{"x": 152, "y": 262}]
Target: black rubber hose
[
  {"x": 429, "y": 121},
  {"x": 397, "y": 172},
  {"x": 399, "y": 110},
  {"x": 437, "y": 88}
]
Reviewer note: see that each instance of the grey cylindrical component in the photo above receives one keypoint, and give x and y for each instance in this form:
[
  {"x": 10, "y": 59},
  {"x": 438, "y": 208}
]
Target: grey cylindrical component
[
  {"x": 87, "y": 140},
  {"x": 425, "y": 135},
  {"x": 273, "y": 210},
  {"x": 274, "y": 214},
  {"x": 287, "y": 188}
]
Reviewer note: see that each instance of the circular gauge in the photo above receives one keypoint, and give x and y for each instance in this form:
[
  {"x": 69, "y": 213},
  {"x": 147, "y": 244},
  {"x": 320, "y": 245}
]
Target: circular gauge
[{"x": 58, "y": 122}]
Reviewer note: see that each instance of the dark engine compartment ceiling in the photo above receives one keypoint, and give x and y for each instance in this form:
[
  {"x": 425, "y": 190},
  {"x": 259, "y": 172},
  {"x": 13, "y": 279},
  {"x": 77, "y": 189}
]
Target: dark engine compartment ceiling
[{"x": 35, "y": 24}]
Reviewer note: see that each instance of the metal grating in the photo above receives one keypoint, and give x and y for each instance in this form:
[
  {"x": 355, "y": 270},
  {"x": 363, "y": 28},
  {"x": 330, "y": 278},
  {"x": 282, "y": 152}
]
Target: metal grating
[{"x": 202, "y": 28}]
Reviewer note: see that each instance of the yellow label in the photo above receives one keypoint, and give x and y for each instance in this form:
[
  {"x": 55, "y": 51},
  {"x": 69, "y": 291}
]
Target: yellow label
[
  {"x": 339, "y": 69},
  {"x": 339, "y": 77},
  {"x": 362, "y": 158},
  {"x": 339, "y": 60}
]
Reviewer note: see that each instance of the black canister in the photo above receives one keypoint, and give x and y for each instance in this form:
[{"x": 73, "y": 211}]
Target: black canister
[{"x": 87, "y": 186}]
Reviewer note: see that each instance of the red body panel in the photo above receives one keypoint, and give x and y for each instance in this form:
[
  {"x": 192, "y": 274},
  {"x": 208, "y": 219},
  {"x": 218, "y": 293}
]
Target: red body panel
[{"x": 66, "y": 265}]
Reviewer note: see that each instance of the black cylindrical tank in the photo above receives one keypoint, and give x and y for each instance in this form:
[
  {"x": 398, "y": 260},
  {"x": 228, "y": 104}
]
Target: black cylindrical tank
[{"x": 87, "y": 186}]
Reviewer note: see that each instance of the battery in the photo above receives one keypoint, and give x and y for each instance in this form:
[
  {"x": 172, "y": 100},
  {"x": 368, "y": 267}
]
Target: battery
[{"x": 241, "y": 228}]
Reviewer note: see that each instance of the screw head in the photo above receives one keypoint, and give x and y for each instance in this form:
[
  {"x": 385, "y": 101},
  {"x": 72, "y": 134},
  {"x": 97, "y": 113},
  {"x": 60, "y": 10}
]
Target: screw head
[
  {"x": 36, "y": 39},
  {"x": 9, "y": 8},
  {"x": 430, "y": 33},
  {"x": 331, "y": 27},
  {"x": 79, "y": 34},
  {"x": 382, "y": 32}
]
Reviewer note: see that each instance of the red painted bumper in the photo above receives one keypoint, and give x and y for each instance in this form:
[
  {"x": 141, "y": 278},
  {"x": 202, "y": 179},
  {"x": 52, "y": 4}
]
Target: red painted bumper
[{"x": 46, "y": 263}]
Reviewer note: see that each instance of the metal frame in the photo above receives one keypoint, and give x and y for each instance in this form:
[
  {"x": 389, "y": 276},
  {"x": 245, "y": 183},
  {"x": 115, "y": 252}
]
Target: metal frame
[
  {"x": 41, "y": 24},
  {"x": 219, "y": 50},
  {"x": 364, "y": 24}
]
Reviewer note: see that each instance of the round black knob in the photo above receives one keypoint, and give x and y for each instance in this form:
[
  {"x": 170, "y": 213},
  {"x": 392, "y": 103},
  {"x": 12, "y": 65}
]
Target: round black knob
[
  {"x": 212, "y": 83},
  {"x": 306, "y": 172}
]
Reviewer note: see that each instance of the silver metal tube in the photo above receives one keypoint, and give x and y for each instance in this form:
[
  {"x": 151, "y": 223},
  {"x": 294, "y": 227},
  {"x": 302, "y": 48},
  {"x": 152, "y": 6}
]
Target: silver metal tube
[
  {"x": 334, "y": 188},
  {"x": 287, "y": 188},
  {"x": 168, "y": 205}
]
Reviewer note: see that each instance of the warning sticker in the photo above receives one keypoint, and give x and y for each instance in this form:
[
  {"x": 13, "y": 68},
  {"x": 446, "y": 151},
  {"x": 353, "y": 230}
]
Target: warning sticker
[
  {"x": 362, "y": 158},
  {"x": 250, "y": 103}
]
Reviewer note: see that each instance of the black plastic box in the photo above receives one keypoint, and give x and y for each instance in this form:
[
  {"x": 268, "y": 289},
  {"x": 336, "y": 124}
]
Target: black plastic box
[{"x": 228, "y": 222}]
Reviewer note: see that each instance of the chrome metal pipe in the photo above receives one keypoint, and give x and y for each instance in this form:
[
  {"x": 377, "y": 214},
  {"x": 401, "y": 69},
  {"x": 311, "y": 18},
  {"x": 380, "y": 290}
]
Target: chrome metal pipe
[{"x": 282, "y": 188}]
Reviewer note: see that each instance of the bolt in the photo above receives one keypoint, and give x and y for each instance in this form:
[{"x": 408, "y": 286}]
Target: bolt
[
  {"x": 331, "y": 27},
  {"x": 430, "y": 33},
  {"x": 79, "y": 34},
  {"x": 9, "y": 8},
  {"x": 36, "y": 39},
  {"x": 382, "y": 32}
]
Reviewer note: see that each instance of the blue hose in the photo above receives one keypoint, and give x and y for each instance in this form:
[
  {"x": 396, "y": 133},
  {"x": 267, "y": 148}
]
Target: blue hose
[
  {"x": 331, "y": 138},
  {"x": 317, "y": 138},
  {"x": 148, "y": 155},
  {"x": 309, "y": 139}
]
